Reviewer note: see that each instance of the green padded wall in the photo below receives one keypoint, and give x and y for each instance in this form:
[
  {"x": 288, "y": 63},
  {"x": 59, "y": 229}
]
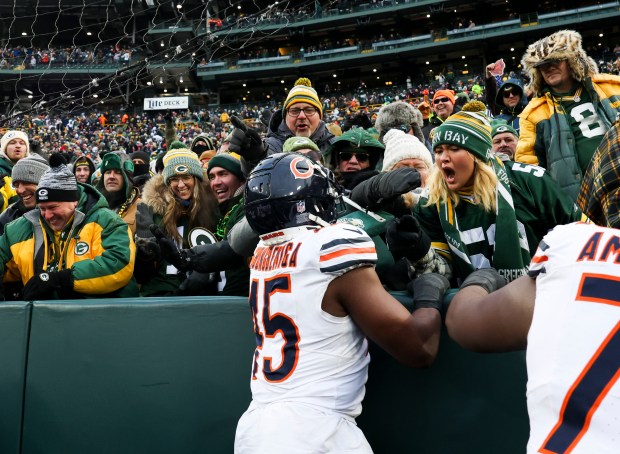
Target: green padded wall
[
  {"x": 137, "y": 376},
  {"x": 465, "y": 403},
  {"x": 14, "y": 326},
  {"x": 172, "y": 375}
]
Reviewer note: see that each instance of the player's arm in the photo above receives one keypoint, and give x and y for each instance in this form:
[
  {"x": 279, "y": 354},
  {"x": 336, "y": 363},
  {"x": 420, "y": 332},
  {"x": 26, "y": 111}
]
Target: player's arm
[
  {"x": 492, "y": 322},
  {"x": 413, "y": 339}
]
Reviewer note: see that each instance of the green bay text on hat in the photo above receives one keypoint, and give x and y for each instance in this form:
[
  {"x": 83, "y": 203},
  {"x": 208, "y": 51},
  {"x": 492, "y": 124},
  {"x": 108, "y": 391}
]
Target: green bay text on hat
[
  {"x": 228, "y": 161},
  {"x": 303, "y": 92},
  {"x": 181, "y": 161},
  {"x": 499, "y": 126},
  {"x": 468, "y": 130},
  {"x": 299, "y": 143}
]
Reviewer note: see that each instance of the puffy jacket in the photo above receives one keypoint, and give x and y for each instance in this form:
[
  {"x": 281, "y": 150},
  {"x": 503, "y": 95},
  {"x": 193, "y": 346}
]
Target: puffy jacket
[
  {"x": 279, "y": 132},
  {"x": 546, "y": 138},
  {"x": 97, "y": 246}
]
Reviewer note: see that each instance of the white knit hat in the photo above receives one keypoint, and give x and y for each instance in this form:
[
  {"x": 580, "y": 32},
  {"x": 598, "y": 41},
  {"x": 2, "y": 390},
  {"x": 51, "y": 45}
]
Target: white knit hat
[
  {"x": 14, "y": 134},
  {"x": 399, "y": 146}
]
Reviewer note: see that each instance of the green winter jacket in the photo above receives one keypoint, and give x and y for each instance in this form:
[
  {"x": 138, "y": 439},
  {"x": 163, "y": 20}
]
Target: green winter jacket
[
  {"x": 96, "y": 245},
  {"x": 539, "y": 206},
  {"x": 546, "y": 138}
]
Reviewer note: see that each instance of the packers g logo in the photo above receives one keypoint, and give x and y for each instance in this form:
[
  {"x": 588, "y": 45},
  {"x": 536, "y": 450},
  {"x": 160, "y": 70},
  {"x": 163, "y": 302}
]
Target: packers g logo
[
  {"x": 502, "y": 129},
  {"x": 81, "y": 248},
  {"x": 181, "y": 169},
  {"x": 42, "y": 193},
  {"x": 199, "y": 236},
  {"x": 304, "y": 171}
]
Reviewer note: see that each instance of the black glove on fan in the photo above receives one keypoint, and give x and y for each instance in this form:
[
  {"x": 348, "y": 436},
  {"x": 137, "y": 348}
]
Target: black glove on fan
[
  {"x": 487, "y": 278},
  {"x": 43, "y": 285},
  {"x": 169, "y": 250},
  {"x": 245, "y": 141},
  {"x": 406, "y": 238}
]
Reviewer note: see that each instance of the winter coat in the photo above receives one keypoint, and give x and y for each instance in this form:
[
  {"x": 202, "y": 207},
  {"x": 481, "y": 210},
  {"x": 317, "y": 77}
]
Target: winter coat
[
  {"x": 279, "y": 132},
  {"x": 96, "y": 245},
  {"x": 546, "y": 138}
]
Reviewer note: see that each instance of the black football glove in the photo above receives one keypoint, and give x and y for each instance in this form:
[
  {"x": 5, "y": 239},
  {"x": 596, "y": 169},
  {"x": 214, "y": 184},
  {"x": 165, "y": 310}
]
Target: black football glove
[
  {"x": 428, "y": 291},
  {"x": 42, "y": 286},
  {"x": 406, "y": 238},
  {"x": 487, "y": 278},
  {"x": 169, "y": 250},
  {"x": 245, "y": 141}
]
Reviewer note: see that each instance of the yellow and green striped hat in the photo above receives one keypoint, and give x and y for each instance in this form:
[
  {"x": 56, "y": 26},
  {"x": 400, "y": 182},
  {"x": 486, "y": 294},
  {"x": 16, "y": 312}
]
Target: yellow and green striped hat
[
  {"x": 303, "y": 92},
  {"x": 468, "y": 130}
]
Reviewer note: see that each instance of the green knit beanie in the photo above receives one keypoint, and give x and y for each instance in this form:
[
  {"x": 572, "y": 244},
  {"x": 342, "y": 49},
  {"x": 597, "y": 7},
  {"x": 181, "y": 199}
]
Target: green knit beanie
[
  {"x": 468, "y": 130},
  {"x": 228, "y": 161},
  {"x": 499, "y": 126}
]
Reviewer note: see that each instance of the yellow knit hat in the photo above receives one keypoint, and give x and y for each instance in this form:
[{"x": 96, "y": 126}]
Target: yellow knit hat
[{"x": 303, "y": 92}]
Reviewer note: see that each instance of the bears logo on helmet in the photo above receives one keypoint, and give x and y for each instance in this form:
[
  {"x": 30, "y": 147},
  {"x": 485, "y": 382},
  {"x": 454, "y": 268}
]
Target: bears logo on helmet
[{"x": 289, "y": 190}]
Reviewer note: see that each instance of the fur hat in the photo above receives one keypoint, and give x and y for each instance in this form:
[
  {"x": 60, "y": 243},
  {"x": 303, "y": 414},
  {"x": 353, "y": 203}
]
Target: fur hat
[
  {"x": 303, "y": 92},
  {"x": 228, "y": 161},
  {"x": 468, "y": 130},
  {"x": 396, "y": 115},
  {"x": 10, "y": 135},
  {"x": 57, "y": 184},
  {"x": 29, "y": 169},
  {"x": 561, "y": 45},
  {"x": 399, "y": 146},
  {"x": 181, "y": 161}
]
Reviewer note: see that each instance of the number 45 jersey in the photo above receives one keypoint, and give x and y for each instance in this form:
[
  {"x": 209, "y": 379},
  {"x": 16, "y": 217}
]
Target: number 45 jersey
[
  {"x": 573, "y": 353},
  {"x": 304, "y": 354}
]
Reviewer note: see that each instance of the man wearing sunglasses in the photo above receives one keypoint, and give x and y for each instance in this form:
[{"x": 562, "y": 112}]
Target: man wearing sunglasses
[
  {"x": 443, "y": 106},
  {"x": 573, "y": 108},
  {"x": 507, "y": 102}
]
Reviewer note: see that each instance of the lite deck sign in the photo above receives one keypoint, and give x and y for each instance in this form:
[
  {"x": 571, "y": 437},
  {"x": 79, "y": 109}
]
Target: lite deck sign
[{"x": 170, "y": 102}]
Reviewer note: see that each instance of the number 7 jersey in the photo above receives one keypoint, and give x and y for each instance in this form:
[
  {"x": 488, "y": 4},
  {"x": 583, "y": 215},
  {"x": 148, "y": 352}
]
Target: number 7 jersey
[
  {"x": 573, "y": 353},
  {"x": 303, "y": 354}
]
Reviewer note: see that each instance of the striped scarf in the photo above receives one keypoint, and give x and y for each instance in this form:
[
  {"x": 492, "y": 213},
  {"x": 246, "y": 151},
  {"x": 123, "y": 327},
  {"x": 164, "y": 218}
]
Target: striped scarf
[{"x": 511, "y": 251}]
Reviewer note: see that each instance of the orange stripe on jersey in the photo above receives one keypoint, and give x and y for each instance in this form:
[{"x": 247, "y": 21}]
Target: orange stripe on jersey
[
  {"x": 539, "y": 258},
  {"x": 331, "y": 255}
]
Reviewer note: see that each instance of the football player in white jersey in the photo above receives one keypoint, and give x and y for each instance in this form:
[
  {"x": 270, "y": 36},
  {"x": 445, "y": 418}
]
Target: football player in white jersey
[
  {"x": 567, "y": 313},
  {"x": 314, "y": 297}
]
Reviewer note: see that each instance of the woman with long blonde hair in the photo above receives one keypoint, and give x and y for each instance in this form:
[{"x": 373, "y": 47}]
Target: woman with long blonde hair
[{"x": 482, "y": 212}]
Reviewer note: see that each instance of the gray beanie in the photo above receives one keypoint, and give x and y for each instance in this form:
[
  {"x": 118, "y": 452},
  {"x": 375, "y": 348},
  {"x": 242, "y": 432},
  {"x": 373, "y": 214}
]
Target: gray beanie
[
  {"x": 30, "y": 169},
  {"x": 58, "y": 184}
]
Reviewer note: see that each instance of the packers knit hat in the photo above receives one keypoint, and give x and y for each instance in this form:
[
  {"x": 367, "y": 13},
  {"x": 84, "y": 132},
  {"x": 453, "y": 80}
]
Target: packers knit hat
[
  {"x": 468, "y": 130},
  {"x": 57, "y": 184},
  {"x": 14, "y": 134},
  {"x": 445, "y": 94},
  {"x": 400, "y": 145},
  {"x": 303, "y": 92},
  {"x": 30, "y": 169},
  {"x": 181, "y": 161},
  {"x": 499, "y": 126},
  {"x": 299, "y": 143},
  {"x": 228, "y": 161}
]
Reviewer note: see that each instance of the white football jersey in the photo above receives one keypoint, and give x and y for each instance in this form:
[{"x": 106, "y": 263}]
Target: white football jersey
[
  {"x": 304, "y": 354},
  {"x": 573, "y": 353}
]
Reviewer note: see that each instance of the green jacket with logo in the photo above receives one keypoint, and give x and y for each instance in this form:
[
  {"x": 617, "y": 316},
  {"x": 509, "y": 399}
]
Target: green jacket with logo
[{"x": 96, "y": 245}]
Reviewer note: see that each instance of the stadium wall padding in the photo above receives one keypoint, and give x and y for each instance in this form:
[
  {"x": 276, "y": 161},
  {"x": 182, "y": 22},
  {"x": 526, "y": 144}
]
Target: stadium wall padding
[{"x": 161, "y": 375}]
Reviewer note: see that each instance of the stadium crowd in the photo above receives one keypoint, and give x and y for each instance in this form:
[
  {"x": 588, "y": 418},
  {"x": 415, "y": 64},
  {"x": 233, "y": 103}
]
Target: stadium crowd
[{"x": 393, "y": 151}]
